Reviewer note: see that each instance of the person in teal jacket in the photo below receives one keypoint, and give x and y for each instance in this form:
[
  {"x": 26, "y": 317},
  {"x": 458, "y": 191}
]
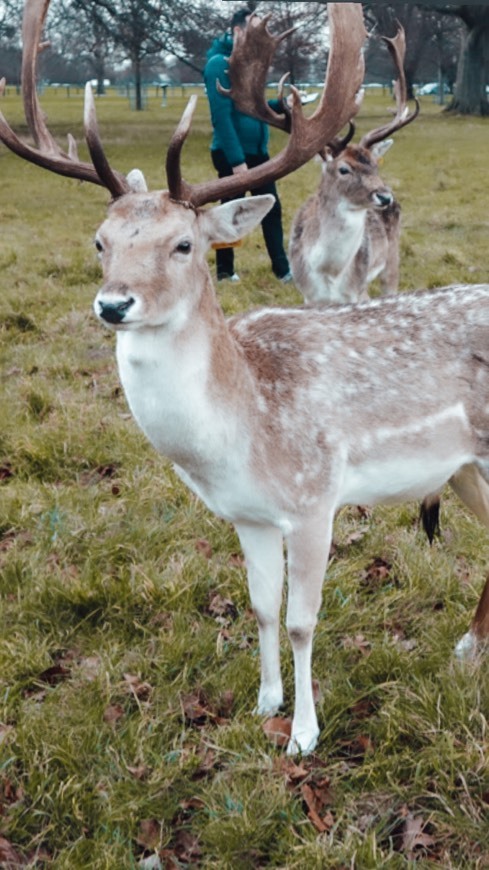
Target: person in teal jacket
[{"x": 239, "y": 142}]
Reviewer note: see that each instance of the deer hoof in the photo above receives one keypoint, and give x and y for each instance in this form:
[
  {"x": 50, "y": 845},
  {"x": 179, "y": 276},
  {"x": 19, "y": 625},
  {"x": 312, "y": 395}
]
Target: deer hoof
[{"x": 303, "y": 742}]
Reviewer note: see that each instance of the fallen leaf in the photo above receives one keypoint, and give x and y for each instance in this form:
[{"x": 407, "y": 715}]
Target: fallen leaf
[
  {"x": 9, "y": 857},
  {"x": 140, "y": 690},
  {"x": 140, "y": 772},
  {"x": 278, "y": 730},
  {"x": 186, "y": 846},
  {"x": 112, "y": 714},
  {"x": 316, "y": 797},
  {"x": 149, "y": 834},
  {"x": 414, "y": 836},
  {"x": 204, "y": 548},
  {"x": 196, "y": 707},
  {"x": 376, "y": 575},
  {"x": 355, "y": 536},
  {"x": 358, "y": 642},
  {"x": 222, "y": 609}
]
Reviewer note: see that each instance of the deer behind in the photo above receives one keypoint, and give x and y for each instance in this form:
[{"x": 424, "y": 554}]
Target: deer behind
[{"x": 347, "y": 233}]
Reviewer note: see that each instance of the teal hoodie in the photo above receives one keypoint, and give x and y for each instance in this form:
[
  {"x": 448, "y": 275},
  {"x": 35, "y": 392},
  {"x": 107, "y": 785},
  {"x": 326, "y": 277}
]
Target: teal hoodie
[{"x": 234, "y": 133}]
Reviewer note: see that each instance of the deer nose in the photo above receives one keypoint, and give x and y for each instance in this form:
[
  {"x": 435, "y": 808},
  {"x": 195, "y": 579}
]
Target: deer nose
[
  {"x": 383, "y": 198},
  {"x": 114, "y": 312}
]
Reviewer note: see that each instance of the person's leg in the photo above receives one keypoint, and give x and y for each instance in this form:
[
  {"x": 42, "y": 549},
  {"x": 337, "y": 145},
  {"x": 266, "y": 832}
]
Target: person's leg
[
  {"x": 272, "y": 222},
  {"x": 224, "y": 256}
]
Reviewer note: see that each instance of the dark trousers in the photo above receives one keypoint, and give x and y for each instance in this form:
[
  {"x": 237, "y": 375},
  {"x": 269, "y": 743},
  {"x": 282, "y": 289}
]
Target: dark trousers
[{"x": 271, "y": 223}]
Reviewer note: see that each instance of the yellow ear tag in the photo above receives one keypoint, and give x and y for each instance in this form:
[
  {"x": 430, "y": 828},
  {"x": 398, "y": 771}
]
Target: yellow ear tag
[{"x": 219, "y": 246}]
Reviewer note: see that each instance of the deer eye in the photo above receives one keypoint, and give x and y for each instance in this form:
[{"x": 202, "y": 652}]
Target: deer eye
[
  {"x": 344, "y": 170},
  {"x": 184, "y": 247}
]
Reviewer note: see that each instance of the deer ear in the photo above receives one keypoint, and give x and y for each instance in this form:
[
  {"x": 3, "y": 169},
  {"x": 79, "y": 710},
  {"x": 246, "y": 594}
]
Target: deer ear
[
  {"x": 381, "y": 148},
  {"x": 233, "y": 220}
]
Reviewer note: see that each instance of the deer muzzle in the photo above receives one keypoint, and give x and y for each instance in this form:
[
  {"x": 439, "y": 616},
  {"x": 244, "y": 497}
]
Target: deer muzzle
[
  {"x": 382, "y": 198},
  {"x": 114, "y": 312}
]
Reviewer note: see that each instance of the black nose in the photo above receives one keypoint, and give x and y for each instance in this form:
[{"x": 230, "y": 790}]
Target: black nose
[
  {"x": 114, "y": 312},
  {"x": 383, "y": 199}
]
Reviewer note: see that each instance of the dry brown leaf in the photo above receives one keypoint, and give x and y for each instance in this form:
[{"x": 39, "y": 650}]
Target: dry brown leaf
[
  {"x": 294, "y": 773},
  {"x": 204, "y": 548},
  {"x": 222, "y": 609},
  {"x": 376, "y": 575},
  {"x": 9, "y": 857},
  {"x": 414, "y": 836},
  {"x": 358, "y": 642},
  {"x": 149, "y": 834},
  {"x": 112, "y": 714},
  {"x": 195, "y": 707},
  {"x": 139, "y": 772},
  {"x": 278, "y": 730},
  {"x": 316, "y": 797},
  {"x": 140, "y": 690}
]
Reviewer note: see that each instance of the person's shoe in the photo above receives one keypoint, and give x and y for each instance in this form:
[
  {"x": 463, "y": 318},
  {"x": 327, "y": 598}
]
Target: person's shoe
[
  {"x": 286, "y": 279},
  {"x": 234, "y": 278}
]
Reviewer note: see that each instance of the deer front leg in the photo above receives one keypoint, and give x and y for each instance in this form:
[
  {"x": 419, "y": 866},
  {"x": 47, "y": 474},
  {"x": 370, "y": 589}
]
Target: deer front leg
[
  {"x": 308, "y": 551},
  {"x": 263, "y": 550}
]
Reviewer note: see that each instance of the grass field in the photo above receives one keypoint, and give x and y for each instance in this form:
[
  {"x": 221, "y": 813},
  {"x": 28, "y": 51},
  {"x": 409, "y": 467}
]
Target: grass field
[{"x": 128, "y": 651}]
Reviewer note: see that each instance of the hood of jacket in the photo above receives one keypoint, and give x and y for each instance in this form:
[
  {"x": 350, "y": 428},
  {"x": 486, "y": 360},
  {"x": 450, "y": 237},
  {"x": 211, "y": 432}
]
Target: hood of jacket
[{"x": 221, "y": 45}]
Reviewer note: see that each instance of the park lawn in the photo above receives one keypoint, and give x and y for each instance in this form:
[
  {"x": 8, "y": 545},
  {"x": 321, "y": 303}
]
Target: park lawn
[{"x": 128, "y": 651}]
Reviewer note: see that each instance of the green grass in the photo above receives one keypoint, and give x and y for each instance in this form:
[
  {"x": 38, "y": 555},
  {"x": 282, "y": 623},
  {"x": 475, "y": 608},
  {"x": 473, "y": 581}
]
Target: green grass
[{"x": 128, "y": 654}]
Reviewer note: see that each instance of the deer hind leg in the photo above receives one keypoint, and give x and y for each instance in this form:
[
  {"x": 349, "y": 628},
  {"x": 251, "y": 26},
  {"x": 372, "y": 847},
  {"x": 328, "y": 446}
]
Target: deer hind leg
[
  {"x": 308, "y": 551},
  {"x": 263, "y": 550},
  {"x": 472, "y": 488},
  {"x": 429, "y": 514}
]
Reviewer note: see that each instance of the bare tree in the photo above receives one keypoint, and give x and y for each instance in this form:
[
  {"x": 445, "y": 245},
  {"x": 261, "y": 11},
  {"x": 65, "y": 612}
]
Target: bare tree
[
  {"x": 431, "y": 40},
  {"x": 470, "y": 88}
]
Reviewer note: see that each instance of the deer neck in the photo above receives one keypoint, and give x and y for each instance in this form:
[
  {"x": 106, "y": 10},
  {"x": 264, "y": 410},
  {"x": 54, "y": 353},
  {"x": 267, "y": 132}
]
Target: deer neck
[
  {"x": 181, "y": 381},
  {"x": 340, "y": 223}
]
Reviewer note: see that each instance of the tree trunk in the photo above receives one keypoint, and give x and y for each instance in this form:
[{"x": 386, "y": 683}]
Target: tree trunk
[
  {"x": 470, "y": 88},
  {"x": 137, "y": 84}
]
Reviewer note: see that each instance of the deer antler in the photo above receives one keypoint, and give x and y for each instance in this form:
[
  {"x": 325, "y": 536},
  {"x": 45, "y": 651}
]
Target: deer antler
[
  {"x": 253, "y": 51},
  {"x": 397, "y": 48},
  {"x": 338, "y": 104},
  {"x": 47, "y": 152}
]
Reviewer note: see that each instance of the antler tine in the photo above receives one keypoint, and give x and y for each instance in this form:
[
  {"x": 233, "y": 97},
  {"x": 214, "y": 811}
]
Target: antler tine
[
  {"x": 339, "y": 103},
  {"x": 35, "y": 12},
  {"x": 397, "y": 49},
  {"x": 47, "y": 152},
  {"x": 178, "y": 188},
  {"x": 339, "y": 143},
  {"x": 113, "y": 181},
  {"x": 253, "y": 51}
]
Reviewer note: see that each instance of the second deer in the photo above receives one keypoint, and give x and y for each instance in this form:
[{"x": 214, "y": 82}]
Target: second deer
[{"x": 347, "y": 233}]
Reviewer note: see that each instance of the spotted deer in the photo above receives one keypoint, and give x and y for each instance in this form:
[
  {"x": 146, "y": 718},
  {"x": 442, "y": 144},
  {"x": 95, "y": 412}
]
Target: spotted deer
[
  {"x": 277, "y": 417},
  {"x": 347, "y": 233}
]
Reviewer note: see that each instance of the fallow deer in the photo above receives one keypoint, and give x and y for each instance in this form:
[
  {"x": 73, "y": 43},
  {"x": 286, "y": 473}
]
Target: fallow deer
[
  {"x": 278, "y": 417},
  {"x": 347, "y": 233}
]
